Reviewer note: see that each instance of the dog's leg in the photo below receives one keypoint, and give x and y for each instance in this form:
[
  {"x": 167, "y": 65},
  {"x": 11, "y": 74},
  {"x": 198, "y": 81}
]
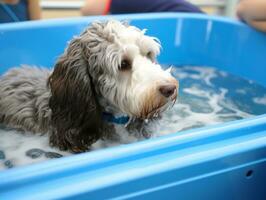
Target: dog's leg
[{"x": 70, "y": 140}]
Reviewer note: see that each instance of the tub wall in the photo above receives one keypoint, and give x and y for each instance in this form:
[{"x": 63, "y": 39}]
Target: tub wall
[
  {"x": 208, "y": 163},
  {"x": 186, "y": 40}
]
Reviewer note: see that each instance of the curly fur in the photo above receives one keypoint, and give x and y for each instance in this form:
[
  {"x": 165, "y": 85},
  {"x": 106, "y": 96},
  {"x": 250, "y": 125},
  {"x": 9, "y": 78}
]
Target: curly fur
[
  {"x": 87, "y": 79},
  {"x": 24, "y": 99}
]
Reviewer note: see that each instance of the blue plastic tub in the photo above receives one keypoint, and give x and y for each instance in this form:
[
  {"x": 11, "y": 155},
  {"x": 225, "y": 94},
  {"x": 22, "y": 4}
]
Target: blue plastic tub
[{"x": 227, "y": 161}]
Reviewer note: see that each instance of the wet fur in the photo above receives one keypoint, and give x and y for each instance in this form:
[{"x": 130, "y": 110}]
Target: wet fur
[{"x": 64, "y": 103}]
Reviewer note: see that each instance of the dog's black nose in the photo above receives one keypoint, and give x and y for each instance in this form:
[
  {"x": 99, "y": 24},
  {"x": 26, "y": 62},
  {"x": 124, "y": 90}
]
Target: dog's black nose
[{"x": 167, "y": 90}]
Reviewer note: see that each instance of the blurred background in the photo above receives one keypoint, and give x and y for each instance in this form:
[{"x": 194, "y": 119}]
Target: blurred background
[{"x": 69, "y": 8}]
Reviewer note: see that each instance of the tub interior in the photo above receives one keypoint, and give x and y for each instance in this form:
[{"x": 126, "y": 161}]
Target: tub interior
[
  {"x": 207, "y": 96},
  {"x": 219, "y": 63},
  {"x": 194, "y": 40}
]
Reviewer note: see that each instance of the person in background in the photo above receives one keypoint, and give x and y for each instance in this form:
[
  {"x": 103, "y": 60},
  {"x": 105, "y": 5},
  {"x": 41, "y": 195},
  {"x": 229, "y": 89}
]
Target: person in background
[
  {"x": 253, "y": 12},
  {"x": 19, "y": 10},
  {"x": 103, "y": 7}
]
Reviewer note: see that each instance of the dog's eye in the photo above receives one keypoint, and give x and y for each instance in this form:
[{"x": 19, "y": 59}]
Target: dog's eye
[
  {"x": 125, "y": 65},
  {"x": 149, "y": 54}
]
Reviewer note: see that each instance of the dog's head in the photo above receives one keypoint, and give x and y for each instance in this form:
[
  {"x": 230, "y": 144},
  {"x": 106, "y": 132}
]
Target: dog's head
[
  {"x": 121, "y": 61},
  {"x": 116, "y": 62}
]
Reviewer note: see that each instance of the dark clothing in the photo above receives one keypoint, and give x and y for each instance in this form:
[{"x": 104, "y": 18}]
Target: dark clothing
[
  {"x": 13, "y": 13},
  {"x": 144, "y": 6}
]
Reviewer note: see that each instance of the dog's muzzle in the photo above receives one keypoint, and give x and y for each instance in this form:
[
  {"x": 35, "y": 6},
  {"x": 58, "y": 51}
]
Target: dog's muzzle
[{"x": 162, "y": 96}]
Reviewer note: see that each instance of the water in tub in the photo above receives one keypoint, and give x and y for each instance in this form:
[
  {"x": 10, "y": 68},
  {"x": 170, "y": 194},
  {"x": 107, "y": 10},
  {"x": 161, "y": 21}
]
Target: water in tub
[{"x": 206, "y": 97}]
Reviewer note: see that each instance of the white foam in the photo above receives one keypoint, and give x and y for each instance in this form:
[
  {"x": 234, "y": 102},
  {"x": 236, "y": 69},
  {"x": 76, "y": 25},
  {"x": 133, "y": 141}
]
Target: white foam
[
  {"x": 241, "y": 91},
  {"x": 15, "y": 144},
  {"x": 203, "y": 73},
  {"x": 197, "y": 106},
  {"x": 260, "y": 100}
]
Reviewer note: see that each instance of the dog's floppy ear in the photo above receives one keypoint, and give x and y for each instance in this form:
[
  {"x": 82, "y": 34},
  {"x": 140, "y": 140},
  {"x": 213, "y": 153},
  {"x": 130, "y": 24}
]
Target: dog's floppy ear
[{"x": 76, "y": 115}]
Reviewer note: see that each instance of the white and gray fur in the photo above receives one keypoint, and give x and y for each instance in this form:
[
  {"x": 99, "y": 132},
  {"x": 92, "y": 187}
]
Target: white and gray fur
[{"x": 110, "y": 67}]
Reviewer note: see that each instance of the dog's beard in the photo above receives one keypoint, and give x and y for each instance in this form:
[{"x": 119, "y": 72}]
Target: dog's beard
[
  {"x": 145, "y": 103},
  {"x": 138, "y": 105},
  {"x": 142, "y": 102},
  {"x": 154, "y": 109}
]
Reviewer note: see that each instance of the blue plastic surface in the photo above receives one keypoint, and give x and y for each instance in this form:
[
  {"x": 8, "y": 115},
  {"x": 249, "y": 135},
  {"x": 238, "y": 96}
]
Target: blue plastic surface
[{"x": 226, "y": 161}]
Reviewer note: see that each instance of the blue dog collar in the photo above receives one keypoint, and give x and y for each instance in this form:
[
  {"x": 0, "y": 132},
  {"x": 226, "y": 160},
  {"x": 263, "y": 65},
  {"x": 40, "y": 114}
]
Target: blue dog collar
[{"x": 116, "y": 120}]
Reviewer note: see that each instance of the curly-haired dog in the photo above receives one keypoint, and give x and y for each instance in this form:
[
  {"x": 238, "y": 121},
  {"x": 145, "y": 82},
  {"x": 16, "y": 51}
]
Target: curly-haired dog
[{"x": 110, "y": 68}]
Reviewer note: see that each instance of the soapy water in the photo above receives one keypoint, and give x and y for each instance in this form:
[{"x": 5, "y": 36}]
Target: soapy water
[{"x": 206, "y": 97}]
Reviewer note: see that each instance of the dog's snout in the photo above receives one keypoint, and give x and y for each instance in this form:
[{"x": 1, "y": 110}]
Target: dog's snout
[{"x": 167, "y": 90}]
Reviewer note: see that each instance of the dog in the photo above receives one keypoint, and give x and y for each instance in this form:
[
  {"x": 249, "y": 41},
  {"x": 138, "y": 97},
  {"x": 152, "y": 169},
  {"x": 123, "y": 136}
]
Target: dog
[{"x": 110, "y": 69}]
